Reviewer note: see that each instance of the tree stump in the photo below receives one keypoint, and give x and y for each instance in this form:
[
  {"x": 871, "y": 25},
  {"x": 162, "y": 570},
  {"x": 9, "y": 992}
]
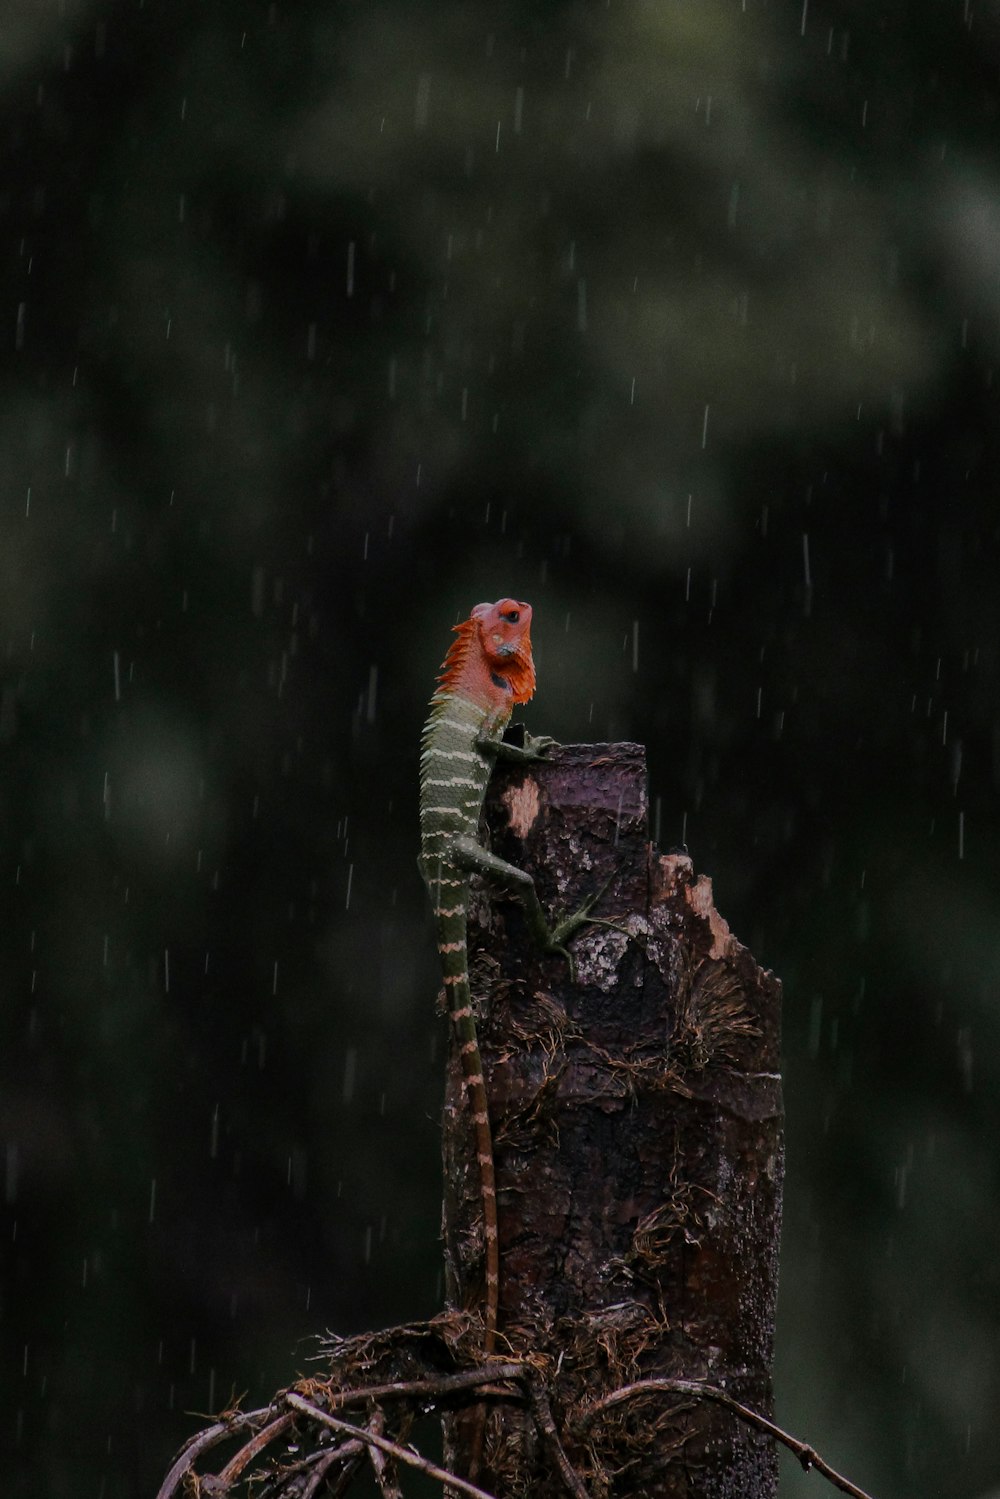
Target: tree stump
[{"x": 636, "y": 1111}]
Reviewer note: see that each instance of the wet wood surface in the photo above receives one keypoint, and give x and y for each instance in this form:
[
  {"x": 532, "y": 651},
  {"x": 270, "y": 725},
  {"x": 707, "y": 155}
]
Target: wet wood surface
[{"x": 636, "y": 1110}]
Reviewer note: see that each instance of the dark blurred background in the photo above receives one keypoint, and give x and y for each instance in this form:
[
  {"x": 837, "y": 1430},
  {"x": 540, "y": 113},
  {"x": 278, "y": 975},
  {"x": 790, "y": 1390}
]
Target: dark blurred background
[{"x": 322, "y": 323}]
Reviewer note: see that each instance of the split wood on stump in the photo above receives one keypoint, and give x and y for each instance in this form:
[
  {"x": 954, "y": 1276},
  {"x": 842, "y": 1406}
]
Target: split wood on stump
[{"x": 637, "y": 1128}]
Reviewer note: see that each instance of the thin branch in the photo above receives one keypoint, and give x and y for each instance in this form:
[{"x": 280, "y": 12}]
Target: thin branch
[
  {"x": 249, "y": 1451},
  {"x": 203, "y": 1442},
  {"x": 445, "y": 1384},
  {"x": 542, "y": 1412},
  {"x": 807, "y": 1456},
  {"x": 352, "y": 1452},
  {"x": 413, "y": 1459},
  {"x": 383, "y": 1466},
  {"x": 420, "y": 1389}
]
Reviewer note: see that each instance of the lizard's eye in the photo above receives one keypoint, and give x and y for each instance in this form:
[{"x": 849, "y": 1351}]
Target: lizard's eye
[{"x": 511, "y": 616}]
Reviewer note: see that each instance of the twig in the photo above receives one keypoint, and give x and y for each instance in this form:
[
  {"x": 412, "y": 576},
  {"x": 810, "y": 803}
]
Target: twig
[
  {"x": 249, "y": 1451},
  {"x": 202, "y": 1443},
  {"x": 542, "y": 1412},
  {"x": 352, "y": 1452},
  {"x": 383, "y": 1466},
  {"x": 421, "y": 1389},
  {"x": 393, "y": 1448},
  {"x": 807, "y": 1456},
  {"x": 446, "y": 1384}
]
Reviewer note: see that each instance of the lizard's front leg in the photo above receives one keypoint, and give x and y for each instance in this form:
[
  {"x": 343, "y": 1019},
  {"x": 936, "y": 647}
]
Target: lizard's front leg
[{"x": 534, "y": 748}]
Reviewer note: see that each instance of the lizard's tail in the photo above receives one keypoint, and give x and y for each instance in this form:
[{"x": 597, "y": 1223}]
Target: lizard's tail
[{"x": 460, "y": 1004}]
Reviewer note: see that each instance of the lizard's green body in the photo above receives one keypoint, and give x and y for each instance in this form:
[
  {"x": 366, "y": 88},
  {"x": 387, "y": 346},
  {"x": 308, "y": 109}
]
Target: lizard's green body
[{"x": 488, "y": 669}]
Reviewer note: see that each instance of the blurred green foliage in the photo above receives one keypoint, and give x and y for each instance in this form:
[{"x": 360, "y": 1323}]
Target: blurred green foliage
[{"x": 322, "y": 323}]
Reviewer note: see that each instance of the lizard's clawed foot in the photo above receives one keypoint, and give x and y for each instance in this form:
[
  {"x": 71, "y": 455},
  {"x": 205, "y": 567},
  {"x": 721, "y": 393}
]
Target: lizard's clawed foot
[
  {"x": 538, "y": 745},
  {"x": 568, "y": 927}
]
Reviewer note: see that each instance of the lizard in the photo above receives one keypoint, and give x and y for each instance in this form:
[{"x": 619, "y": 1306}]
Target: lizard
[{"x": 488, "y": 669}]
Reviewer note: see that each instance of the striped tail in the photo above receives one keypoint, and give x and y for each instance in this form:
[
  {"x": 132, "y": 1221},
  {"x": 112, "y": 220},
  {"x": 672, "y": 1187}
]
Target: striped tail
[{"x": 451, "y": 946}]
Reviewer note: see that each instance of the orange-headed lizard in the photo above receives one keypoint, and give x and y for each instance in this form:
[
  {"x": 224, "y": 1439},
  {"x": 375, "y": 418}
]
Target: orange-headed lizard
[{"x": 488, "y": 669}]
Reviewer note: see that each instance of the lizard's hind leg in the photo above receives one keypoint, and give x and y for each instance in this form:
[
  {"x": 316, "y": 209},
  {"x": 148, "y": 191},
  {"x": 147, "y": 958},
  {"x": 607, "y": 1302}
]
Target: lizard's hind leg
[{"x": 471, "y": 857}]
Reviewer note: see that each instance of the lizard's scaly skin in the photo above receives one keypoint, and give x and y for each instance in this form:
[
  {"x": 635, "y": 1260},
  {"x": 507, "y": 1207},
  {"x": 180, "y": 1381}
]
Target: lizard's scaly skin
[{"x": 488, "y": 669}]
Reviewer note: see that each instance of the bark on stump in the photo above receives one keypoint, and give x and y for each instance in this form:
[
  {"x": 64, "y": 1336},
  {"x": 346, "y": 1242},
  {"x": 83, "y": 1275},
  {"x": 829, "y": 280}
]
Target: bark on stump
[{"x": 638, "y": 1143}]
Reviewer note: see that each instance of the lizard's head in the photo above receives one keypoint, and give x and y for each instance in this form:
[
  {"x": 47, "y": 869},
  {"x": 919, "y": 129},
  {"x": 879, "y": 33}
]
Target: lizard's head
[
  {"x": 505, "y": 641},
  {"x": 490, "y": 660},
  {"x": 503, "y": 627}
]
